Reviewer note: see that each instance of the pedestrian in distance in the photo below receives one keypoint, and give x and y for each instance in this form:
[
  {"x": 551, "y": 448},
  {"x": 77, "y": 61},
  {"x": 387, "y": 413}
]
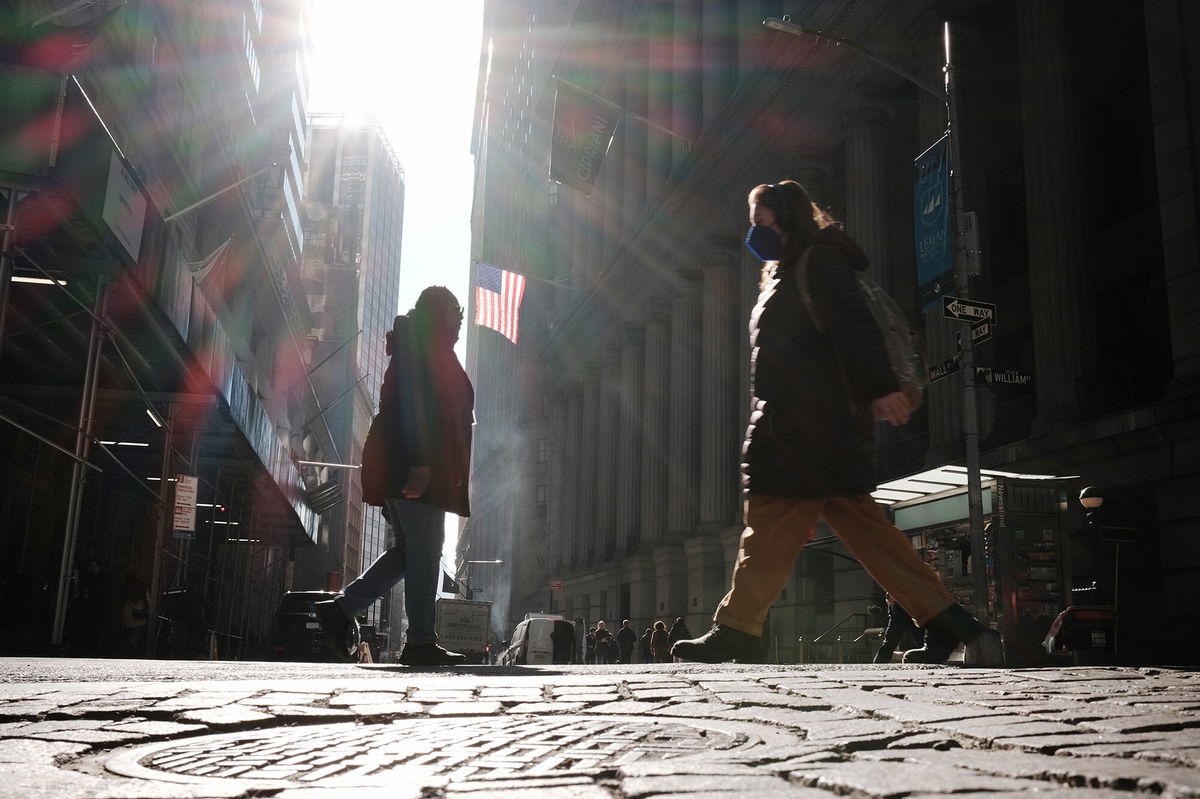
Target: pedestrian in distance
[
  {"x": 416, "y": 464},
  {"x": 626, "y": 640},
  {"x": 660, "y": 643},
  {"x": 820, "y": 377},
  {"x": 644, "y": 647},
  {"x": 900, "y": 630},
  {"x": 679, "y": 631},
  {"x": 589, "y": 646},
  {"x": 135, "y": 614},
  {"x": 604, "y": 644}
]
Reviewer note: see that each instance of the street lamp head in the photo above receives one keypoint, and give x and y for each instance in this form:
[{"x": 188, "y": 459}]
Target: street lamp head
[
  {"x": 786, "y": 25},
  {"x": 1091, "y": 498}
]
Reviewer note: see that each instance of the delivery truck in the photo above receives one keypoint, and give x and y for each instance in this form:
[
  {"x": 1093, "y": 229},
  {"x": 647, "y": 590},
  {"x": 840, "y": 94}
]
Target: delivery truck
[{"x": 465, "y": 626}]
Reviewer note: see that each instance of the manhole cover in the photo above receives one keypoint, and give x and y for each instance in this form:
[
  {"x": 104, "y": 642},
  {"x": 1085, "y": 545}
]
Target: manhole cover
[{"x": 464, "y": 748}]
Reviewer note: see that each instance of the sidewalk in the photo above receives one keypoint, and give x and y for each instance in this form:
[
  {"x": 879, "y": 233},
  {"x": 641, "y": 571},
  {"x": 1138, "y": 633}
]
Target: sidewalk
[{"x": 138, "y": 730}]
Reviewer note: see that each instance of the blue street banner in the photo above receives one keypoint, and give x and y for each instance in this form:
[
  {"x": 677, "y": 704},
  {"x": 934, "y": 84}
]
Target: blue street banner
[
  {"x": 583, "y": 129},
  {"x": 931, "y": 223}
]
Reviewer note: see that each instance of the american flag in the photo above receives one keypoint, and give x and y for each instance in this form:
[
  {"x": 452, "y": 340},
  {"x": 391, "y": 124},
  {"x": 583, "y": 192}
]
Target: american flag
[{"x": 498, "y": 295}]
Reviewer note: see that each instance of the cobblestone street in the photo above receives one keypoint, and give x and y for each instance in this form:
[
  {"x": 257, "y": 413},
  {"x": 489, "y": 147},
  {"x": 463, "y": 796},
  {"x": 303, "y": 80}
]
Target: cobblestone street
[{"x": 166, "y": 729}]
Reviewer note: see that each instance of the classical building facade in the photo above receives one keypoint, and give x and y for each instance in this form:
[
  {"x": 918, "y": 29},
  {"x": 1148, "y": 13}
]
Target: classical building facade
[
  {"x": 153, "y": 168},
  {"x": 353, "y": 220},
  {"x": 608, "y": 438}
]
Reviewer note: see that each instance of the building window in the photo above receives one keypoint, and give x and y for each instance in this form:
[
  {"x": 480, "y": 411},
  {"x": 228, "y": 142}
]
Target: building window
[
  {"x": 251, "y": 54},
  {"x": 540, "y": 502},
  {"x": 543, "y": 450}
]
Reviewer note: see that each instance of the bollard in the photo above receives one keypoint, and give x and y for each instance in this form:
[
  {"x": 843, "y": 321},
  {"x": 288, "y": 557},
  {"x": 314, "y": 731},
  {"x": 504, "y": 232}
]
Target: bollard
[
  {"x": 800, "y": 651},
  {"x": 840, "y": 658}
]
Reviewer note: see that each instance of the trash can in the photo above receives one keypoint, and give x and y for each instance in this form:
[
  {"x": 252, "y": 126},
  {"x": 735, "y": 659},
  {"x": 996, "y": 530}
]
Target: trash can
[{"x": 1085, "y": 632}]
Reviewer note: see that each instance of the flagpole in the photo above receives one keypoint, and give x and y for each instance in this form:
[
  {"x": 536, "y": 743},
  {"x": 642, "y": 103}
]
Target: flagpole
[{"x": 622, "y": 110}]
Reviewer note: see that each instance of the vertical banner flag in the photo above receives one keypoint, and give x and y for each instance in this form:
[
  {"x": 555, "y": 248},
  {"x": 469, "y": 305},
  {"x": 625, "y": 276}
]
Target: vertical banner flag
[
  {"x": 583, "y": 130},
  {"x": 498, "y": 295},
  {"x": 931, "y": 223}
]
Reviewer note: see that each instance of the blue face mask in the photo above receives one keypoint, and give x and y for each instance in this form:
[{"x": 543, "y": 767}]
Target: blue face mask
[{"x": 764, "y": 243}]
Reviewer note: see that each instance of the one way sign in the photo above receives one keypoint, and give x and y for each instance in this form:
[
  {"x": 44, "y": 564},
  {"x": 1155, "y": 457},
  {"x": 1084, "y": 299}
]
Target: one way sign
[{"x": 967, "y": 310}]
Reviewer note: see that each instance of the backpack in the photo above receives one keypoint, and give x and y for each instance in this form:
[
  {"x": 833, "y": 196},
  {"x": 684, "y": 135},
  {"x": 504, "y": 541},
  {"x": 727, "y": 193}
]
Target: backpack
[{"x": 906, "y": 354}]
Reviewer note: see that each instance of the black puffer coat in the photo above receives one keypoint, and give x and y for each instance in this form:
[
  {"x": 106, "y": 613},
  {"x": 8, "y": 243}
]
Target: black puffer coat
[
  {"x": 811, "y": 433},
  {"x": 426, "y": 409}
]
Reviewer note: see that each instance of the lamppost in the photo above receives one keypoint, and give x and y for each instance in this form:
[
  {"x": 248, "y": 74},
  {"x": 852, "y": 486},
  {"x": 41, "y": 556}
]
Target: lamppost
[
  {"x": 1091, "y": 498},
  {"x": 970, "y": 415}
]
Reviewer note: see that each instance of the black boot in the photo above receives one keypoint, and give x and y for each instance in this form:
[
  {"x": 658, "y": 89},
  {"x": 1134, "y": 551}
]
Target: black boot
[
  {"x": 430, "y": 655},
  {"x": 720, "y": 644},
  {"x": 341, "y": 631},
  {"x": 954, "y": 626}
]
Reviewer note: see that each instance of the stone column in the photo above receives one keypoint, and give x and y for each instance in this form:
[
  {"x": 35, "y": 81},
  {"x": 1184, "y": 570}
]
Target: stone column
[
  {"x": 572, "y": 461},
  {"x": 719, "y": 27},
  {"x": 606, "y": 468},
  {"x": 686, "y": 67},
  {"x": 635, "y": 132},
  {"x": 629, "y": 446},
  {"x": 1177, "y": 155},
  {"x": 671, "y": 582},
  {"x": 655, "y": 405},
  {"x": 866, "y": 133},
  {"x": 752, "y": 35},
  {"x": 555, "y": 529},
  {"x": 1055, "y": 216},
  {"x": 707, "y": 582},
  {"x": 659, "y": 102},
  {"x": 683, "y": 431},
  {"x": 720, "y": 440},
  {"x": 589, "y": 458}
]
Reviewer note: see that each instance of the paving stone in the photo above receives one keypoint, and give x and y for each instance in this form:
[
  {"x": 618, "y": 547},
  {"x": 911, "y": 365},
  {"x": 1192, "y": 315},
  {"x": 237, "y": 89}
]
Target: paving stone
[
  {"x": 743, "y": 785},
  {"x": 202, "y": 700},
  {"x": 1046, "y": 744},
  {"x": 894, "y": 779},
  {"x": 222, "y": 716},
  {"x": 287, "y": 712},
  {"x": 367, "y": 698},
  {"x": 282, "y": 698},
  {"x": 26, "y": 709},
  {"x": 158, "y": 729},
  {"x": 627, "y": 707},
  {"x": 537, "y": 708},
  {"x": 390, "y": 709},
  {"x": 92, "y": 736},
  {"x": 1144, "y": 722},
  {"x": 708, "y": 709},
  {"x": 465, "y": 708},
  {"x": 1121, "y": 774},
  {"x": 20, "y": 750},
  {"x": 788, "y": 717}
]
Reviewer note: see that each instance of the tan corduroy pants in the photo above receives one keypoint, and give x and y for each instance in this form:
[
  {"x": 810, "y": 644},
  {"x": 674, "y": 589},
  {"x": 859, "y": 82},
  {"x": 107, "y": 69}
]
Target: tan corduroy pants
[{"x": 777, "y": 528}]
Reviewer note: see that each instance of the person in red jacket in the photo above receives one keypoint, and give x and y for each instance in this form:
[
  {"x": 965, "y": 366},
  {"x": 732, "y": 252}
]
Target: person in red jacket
[
  {"x": 416, "y": 464},
  {"x": 820, "y": 378}
]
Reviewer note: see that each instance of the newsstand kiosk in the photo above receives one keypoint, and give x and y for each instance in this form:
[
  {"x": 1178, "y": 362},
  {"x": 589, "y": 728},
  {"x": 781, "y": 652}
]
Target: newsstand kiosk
[{"x": 1025, "y": 526}]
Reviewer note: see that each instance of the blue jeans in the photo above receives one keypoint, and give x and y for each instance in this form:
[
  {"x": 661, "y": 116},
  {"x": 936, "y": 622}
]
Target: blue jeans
[{"x": 416, "y": 558}]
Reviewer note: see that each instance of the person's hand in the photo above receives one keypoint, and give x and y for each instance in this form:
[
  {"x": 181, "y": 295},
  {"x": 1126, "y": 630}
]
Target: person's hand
[
  {"x": 892, "y": 408},
  {"x": 418, "y": 481}
]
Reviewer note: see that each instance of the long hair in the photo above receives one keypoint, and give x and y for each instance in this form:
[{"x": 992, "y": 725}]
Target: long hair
[{"x": 796, "y": 214}]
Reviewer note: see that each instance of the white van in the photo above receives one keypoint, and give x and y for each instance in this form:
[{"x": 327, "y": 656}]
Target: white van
[{"x": 533, "y": 640}]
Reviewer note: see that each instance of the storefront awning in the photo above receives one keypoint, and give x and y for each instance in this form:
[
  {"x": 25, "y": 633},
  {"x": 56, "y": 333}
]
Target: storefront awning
[{"x": 921, "y": 486}]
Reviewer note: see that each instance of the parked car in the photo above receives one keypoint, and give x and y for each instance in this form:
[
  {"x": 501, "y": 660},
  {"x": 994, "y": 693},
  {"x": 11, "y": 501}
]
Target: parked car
[
  {"x": 540, "y": 639},
  {"x": 295, "y": 632}
]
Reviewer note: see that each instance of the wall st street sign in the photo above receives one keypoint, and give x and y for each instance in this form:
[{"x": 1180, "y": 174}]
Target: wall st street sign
[
  {"x": 967, "y": 310},
  {"x": 944, "y": 369}
]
